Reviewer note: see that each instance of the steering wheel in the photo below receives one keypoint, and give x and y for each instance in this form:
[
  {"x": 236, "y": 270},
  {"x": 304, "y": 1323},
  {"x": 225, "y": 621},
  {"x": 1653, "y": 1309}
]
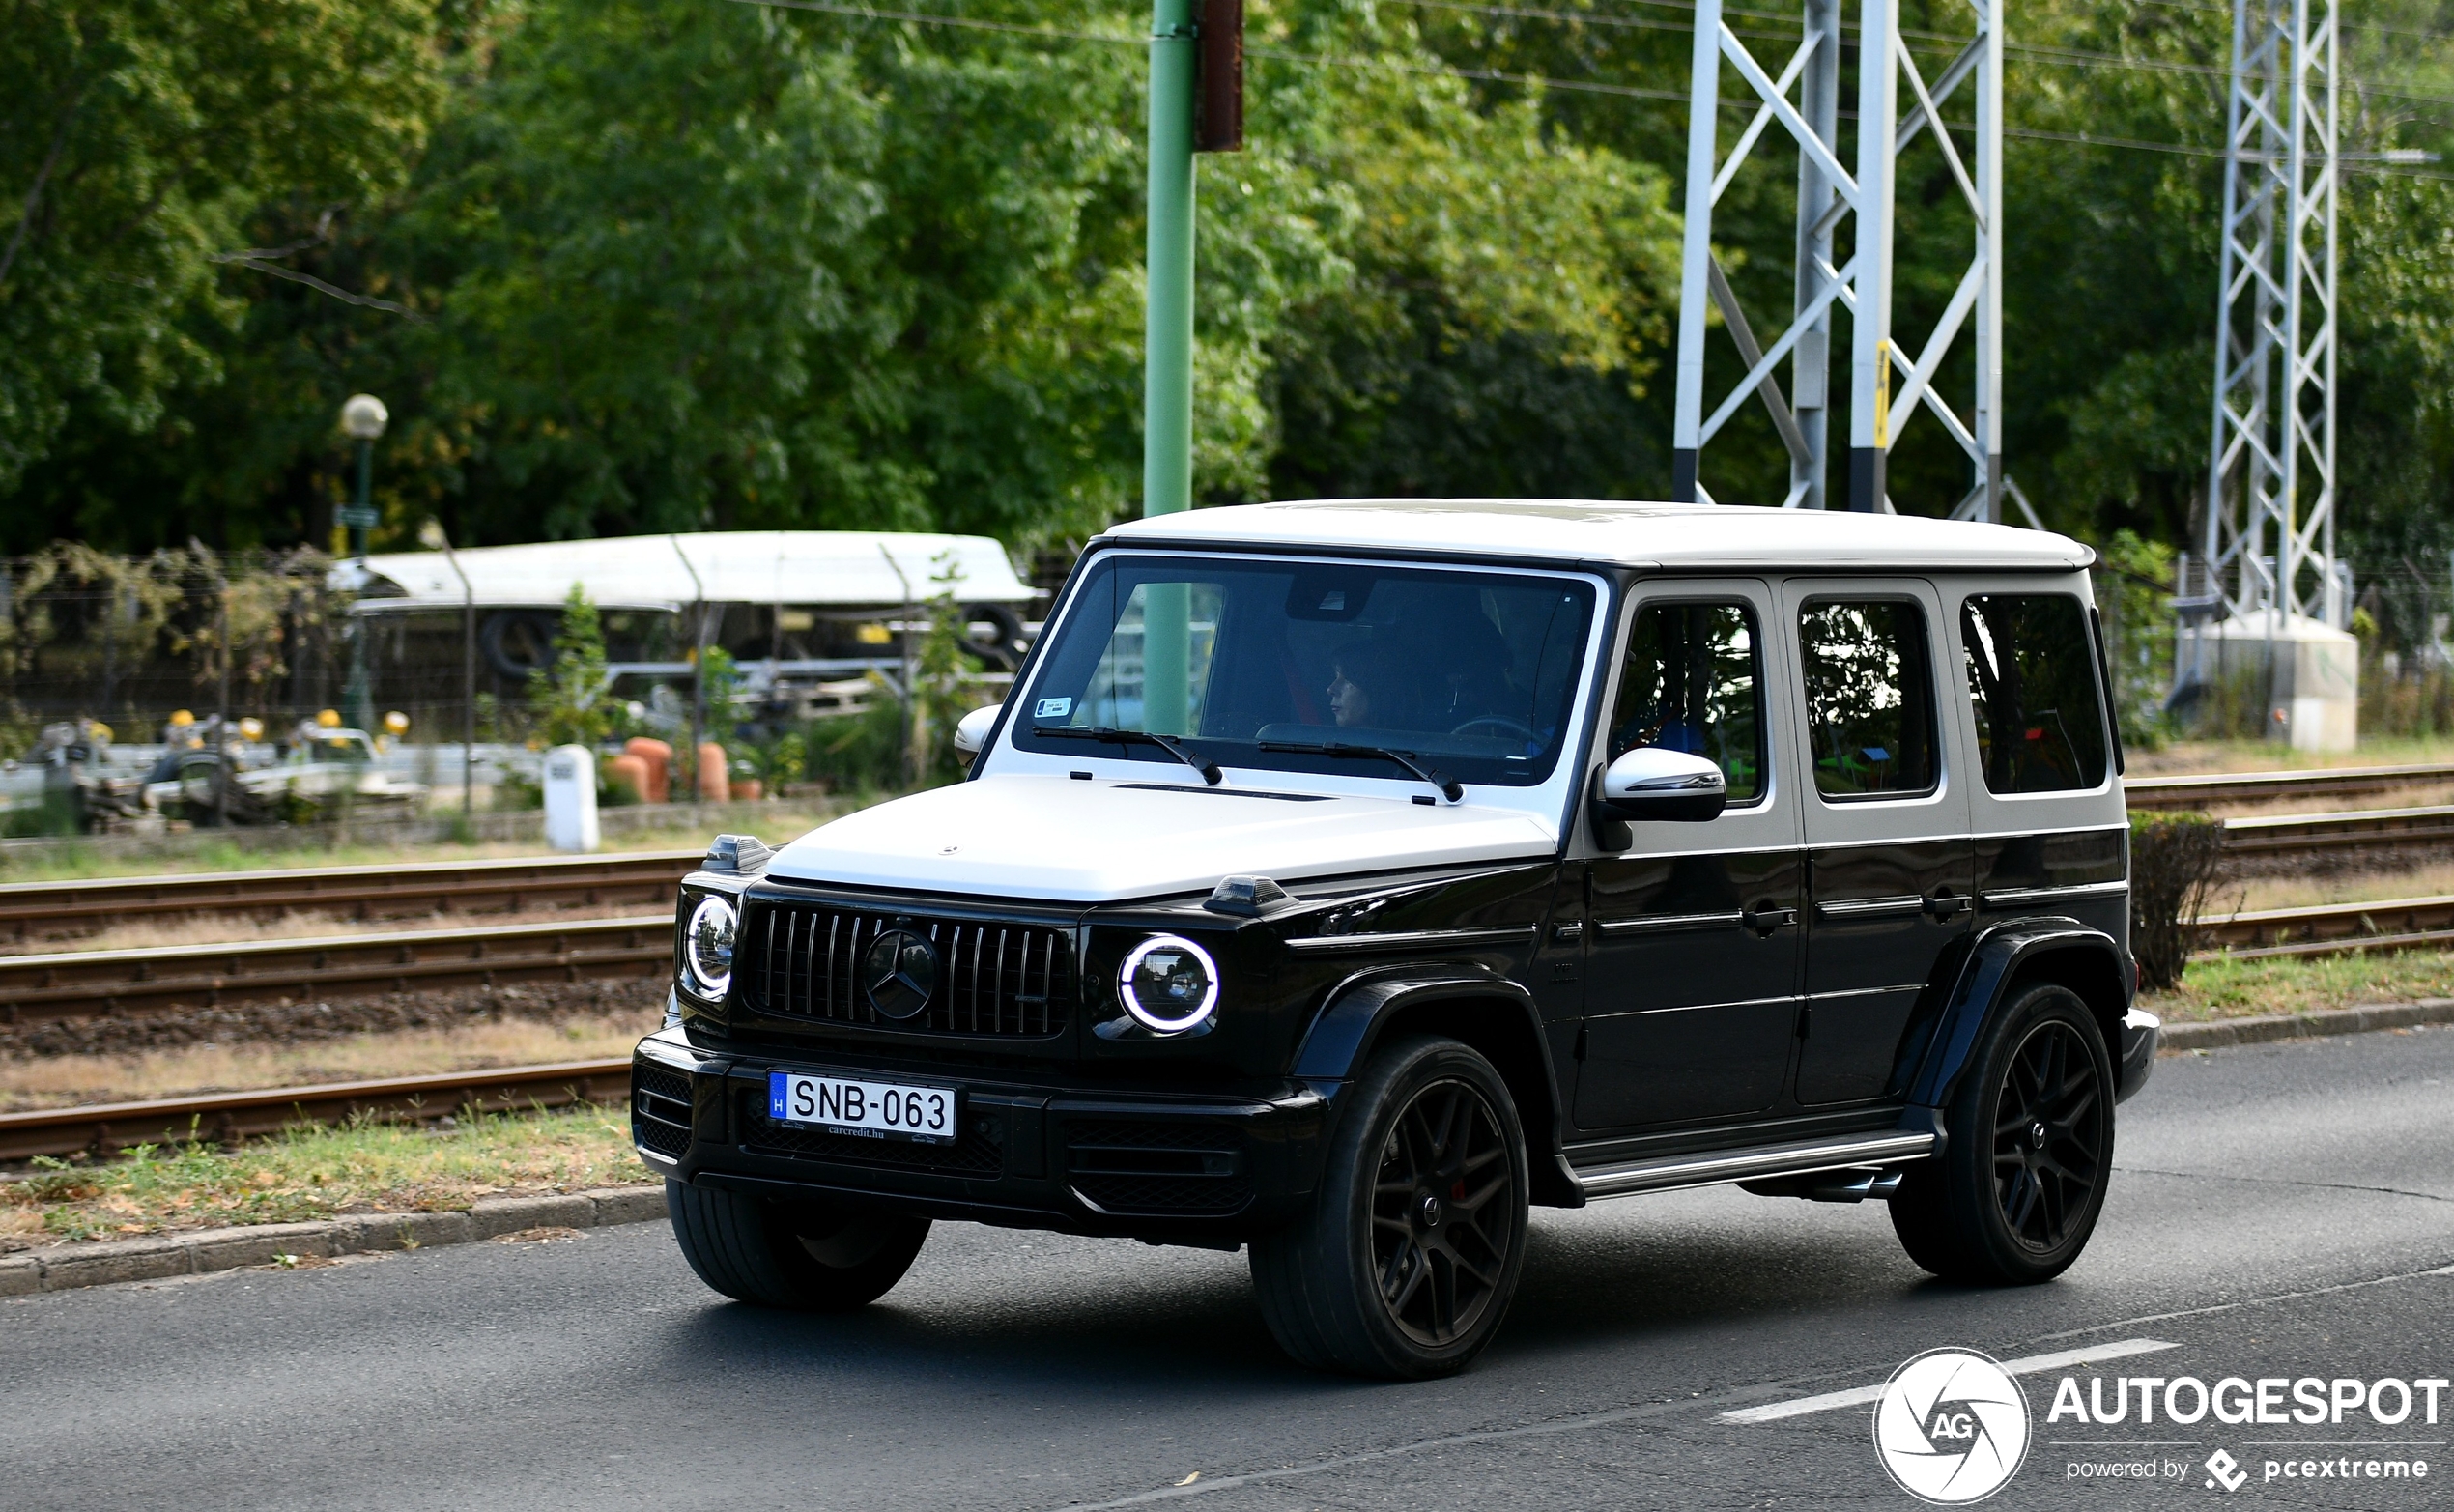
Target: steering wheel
[{"x": 1501, "y": 725}]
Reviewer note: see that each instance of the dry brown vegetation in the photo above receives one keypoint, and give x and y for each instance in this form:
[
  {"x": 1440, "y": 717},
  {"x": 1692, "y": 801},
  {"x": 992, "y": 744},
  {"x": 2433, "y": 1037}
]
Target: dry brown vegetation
[{"x": 68, "y": 1081}]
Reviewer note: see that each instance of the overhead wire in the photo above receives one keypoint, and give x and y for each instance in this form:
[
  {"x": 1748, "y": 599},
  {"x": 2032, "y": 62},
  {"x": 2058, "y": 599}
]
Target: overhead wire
[
  {"x": 1479, "y": 74},
  {"x": 2177, "y": 5},
  {"x": 2225, "y": 10},
  {"x": 2044, "y": 53}
]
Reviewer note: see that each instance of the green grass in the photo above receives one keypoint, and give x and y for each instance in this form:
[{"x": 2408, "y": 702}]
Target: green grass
[
  {"x": 2218, "y": 987},
  {"x": 313, "y": 1174}
]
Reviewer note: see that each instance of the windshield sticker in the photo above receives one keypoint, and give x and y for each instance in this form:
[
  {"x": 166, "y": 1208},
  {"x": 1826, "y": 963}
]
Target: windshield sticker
[{"x": 1052, "y": 708}]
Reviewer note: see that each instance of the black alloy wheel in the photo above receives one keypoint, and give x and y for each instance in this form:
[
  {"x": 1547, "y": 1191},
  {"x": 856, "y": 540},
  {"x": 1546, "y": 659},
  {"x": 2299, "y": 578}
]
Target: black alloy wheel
[
  {"x": 2049, "y": 1145},
  {"x": 2015, "y": 1193},
  {"x": 1442, "y": 1226},
  {"x": 1405, "y": 1263}
]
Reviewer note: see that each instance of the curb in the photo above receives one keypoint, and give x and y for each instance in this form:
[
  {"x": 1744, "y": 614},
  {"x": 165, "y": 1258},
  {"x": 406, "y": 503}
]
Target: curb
[
  {"x": 2222, "y": 1032},
  {"x": 61, "y": 1267}
]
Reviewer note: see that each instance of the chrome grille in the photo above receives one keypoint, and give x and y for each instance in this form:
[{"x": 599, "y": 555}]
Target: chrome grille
[{"x": 803, "y": 960}]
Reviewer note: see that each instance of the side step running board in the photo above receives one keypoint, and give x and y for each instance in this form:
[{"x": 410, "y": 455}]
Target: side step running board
[{"x": 1710, "y": 1168}]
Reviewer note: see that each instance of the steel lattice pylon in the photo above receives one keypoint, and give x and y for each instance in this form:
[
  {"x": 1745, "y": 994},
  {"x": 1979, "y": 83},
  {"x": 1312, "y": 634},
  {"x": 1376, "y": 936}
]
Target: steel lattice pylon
[
  {"x": 2269, "y": 543},
  {"x": 1828, "y": 194}
]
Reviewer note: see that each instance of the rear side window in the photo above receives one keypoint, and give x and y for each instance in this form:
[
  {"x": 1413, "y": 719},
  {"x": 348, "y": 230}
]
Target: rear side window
[
  {"x": 1870, "y": 698},
  {"x": 2032, "y": 679},
  {"x": 1693, "y": 682}
]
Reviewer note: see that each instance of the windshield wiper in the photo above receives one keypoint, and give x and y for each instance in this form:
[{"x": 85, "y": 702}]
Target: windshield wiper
[
  {"x": 1209, "y": 769},
  {"x": 1449, "y": 788}
]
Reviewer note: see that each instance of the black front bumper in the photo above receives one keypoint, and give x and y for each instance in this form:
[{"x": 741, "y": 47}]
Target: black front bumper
[{"x": 1030, "y": 1153}]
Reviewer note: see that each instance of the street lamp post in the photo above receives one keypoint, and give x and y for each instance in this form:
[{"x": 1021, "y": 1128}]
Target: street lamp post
[
  {"x": 431, "y": 536},
  {"x": 362, "y": 418}
]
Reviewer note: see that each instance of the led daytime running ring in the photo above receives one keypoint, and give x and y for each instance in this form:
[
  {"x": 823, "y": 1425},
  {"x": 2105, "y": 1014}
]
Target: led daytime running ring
[
  {"x": 1143, "y": 1015},
  {"x": 717, "y": 987}
]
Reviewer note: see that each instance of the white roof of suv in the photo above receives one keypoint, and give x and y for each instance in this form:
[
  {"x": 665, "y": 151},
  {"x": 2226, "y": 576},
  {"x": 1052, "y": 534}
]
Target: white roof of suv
[{"x": 1668, "y": 536}]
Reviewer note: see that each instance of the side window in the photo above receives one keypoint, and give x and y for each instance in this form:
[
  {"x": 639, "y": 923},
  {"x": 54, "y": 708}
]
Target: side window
[
  {"x": 1693, "y": 681},
  {"x": 2032, "y": 678},
  {"x": 1870, "y": 698}
]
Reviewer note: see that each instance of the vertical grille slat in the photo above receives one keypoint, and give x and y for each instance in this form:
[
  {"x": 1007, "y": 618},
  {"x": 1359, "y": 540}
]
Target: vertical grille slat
[
  {"x": 1004, "y": 936},
  {"x": 826, "y": 980},
  {"x": 1043, "y": 973},
  {"x": 979, "y": 937},
  {"x": 791, "y": 924},
  {"x": 762, "y": 929},
  {"x": 1008, "y": 980}
]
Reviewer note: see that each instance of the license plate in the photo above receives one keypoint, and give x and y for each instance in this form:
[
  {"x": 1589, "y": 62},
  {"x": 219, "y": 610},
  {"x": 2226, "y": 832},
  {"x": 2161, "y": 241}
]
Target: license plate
[{"x": 878, "y": 1109}]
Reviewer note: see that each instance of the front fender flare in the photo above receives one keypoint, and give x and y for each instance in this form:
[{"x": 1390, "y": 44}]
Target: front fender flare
[
  {"x": 1359, "y": 1011},
  {"x": 1994, "y": 960}
]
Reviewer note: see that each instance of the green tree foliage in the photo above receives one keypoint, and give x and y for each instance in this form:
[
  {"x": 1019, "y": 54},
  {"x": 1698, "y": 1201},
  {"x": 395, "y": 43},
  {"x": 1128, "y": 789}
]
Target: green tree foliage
[
  {"x": 141, "y": 141},
  {"x": 656, "y": 210},
  {"x": 1509, "y": 291},
  {"x": 568, "y": 698},
  {"x": 680, "y": 263},
  {"x": 658, "y": 264},
  {"x": 2133, "y": 579}
]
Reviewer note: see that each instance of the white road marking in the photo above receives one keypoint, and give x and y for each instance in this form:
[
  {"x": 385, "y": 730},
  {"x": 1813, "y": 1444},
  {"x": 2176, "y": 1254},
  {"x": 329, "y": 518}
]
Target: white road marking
[
  {"x": 1652, "y": 1410},
  {"x": 1860, "y": 1396}
]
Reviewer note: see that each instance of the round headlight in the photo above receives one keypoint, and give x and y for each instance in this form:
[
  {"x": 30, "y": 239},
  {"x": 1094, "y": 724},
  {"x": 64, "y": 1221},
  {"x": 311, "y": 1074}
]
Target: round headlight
[
  {"x": 707, "y": 946},
  {"x": 1168, "y": 983}
]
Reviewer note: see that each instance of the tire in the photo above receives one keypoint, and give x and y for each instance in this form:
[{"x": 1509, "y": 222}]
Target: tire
[
  {"x": 2016, "y": 1191},
  {"x": 808, "y": 1257},
  {"x": 1451, "y": 1255}
]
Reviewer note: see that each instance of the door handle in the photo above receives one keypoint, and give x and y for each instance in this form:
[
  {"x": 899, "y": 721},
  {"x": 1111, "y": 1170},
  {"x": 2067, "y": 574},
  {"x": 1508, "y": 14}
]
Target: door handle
[
  {"x": 1763, "y": 920},
  {"x": 1943, "y": 906}
]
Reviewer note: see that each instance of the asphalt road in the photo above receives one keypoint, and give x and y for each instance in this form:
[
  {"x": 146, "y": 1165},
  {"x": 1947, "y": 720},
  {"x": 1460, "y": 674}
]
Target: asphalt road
[{"x": 2281, "y": 1212}]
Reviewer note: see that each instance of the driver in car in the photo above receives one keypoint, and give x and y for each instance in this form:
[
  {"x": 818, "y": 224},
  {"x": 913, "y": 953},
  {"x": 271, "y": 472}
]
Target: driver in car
[{"x": 1367, "y": 687}]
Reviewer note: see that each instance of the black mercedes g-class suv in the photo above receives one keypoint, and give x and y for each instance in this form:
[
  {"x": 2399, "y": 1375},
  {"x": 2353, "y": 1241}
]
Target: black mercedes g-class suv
[{"x": 1341, "y": 878}]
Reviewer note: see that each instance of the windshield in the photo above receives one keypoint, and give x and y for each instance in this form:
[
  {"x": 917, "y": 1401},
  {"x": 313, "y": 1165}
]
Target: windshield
[{"x": 1471, "y": 672}]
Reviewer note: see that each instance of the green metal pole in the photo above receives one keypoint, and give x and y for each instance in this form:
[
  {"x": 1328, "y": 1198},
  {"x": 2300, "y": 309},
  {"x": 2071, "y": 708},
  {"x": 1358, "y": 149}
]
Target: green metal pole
[{"x": 1167, "y": 383}]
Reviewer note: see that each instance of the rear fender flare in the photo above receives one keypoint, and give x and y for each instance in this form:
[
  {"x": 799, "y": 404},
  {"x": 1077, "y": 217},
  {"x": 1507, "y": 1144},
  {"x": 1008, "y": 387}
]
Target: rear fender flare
[{"x": 2058, "y": 950}]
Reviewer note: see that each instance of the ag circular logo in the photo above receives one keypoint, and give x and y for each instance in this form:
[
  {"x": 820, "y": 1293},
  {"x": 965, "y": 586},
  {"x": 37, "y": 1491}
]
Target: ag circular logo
[
  {"x": 899, "y": 971},
  {"x": 1951, "y": 1427}
]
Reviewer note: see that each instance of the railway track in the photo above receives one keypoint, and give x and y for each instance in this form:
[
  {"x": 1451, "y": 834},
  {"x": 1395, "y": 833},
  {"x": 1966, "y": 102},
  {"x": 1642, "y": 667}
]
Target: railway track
[
  {"x": 2333, "y": 929},
  {"x": 32, "y": 912},
  {"x": 85, "y": 984},
  {"x": 2225, "y": 788},
  {"x": 221, "y": 1117},
  {"x": 2374, "y": 838}
]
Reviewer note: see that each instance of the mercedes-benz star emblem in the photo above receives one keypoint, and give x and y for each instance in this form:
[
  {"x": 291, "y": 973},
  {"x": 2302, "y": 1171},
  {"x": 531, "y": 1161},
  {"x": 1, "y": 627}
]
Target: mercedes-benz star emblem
[{"x": 899, "y": 973}]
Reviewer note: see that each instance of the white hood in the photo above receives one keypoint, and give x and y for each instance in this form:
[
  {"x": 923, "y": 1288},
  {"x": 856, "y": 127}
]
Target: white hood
[{"x": 1054, "y": 837}]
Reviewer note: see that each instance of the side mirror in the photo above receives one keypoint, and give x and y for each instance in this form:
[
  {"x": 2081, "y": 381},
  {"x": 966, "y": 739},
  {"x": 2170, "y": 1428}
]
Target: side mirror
[
  {"x": 971, "y": 732},
  {"x": 1649, "y": 782}
]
